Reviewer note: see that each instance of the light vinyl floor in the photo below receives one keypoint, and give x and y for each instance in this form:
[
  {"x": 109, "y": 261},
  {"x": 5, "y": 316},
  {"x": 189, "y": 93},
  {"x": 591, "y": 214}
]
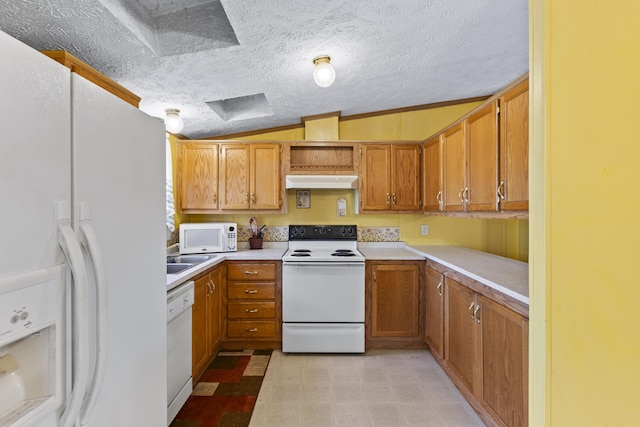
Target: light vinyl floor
[{"x": 382, "y": 388}]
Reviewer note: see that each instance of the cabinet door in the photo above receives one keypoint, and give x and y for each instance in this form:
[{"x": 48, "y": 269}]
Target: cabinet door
[
  {"x": 504, "y": 363},
  {"x": 234, "y": 176},
  {"x": 514, "y": 148},
  {"x": 214, "y": 309},
  {"x": 432, "y": 175},
  {"x": 198, "y": 176},
  {"x": 453, "y": 142},
  {"x": 460, "y": 333},
  {"x": 200, "y": 345},
  {"x": 482, "y": 159},
  {"x": 265, "y": 176},
  {"x": 395, "y": 298},
  {"x": 375, "y": 185},
  {"x": 405, "y": 177},
  {"x": 434, "y": 312}
]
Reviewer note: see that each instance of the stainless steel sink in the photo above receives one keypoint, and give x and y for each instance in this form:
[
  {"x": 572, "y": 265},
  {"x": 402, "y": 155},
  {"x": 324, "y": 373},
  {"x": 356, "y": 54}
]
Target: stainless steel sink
[
  {"x": 188, "y": 259},
  {"x": 175, "y": 268}
]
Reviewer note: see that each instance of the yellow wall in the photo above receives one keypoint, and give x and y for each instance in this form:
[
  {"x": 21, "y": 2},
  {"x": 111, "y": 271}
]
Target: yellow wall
[
  {"x": 503, "y": 237},
  {"x": 585, "y": 225}
]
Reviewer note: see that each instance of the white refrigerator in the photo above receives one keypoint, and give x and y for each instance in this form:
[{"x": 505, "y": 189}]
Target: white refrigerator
[{"x": 82, "y": 192}]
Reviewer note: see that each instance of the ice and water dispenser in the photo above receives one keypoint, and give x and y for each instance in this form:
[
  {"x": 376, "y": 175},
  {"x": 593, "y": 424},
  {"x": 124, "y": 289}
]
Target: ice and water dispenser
[{"x": 32, "y": 313}]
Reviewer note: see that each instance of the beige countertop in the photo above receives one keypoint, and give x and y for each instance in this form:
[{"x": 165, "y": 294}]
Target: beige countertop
[
  {"x": 269, "y": 252},
  {"x": 506, "y": 275},
  {"x": 387, "y": 251}
]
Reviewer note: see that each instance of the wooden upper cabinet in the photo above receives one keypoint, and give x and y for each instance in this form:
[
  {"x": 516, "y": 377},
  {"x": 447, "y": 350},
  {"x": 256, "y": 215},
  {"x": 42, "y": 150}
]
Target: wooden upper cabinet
[
  {"x": 453, "y": 142},
  {"x": 390, "y": 177},
  {"x": 514, "y": 148},
  {"x": 197, "y": 177},
  {"x": 375, "y": 177},
  {"x": 432, "y": 175},
  {"x": 482, "y": 159},
  {"x": 265, "y": 176},
  {"x": 249, "y": 176},
  {"x": 234, "y": 176},
  {"x": 405, "y": 177}
]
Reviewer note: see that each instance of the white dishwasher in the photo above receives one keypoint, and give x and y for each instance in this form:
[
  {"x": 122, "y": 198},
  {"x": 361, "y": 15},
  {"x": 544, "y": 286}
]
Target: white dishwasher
[{"x": 179, "y": 316}]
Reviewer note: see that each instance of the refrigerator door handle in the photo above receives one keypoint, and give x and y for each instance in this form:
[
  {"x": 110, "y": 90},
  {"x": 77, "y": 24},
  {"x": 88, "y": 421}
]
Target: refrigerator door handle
[
  {"x": 72, "y": 251},
  {"x": 89, "y": 242}
]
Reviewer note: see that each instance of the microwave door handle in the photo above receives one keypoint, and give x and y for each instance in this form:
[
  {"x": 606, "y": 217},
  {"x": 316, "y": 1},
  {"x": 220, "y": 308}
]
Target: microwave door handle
[{"x": 89, "y": 242}]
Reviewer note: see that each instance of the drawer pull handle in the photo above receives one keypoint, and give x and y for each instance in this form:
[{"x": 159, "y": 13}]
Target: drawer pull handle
[
  {"x": 251, "y": 330},
  {"x": 439, "y": 288},
  {"x": 251, "y": 310},
  {"x": 471, "y": 310},
  {"x": 251, "y": 272},
  {"x": 476, "y": 315},
  {"x": 250, "y": 291}
]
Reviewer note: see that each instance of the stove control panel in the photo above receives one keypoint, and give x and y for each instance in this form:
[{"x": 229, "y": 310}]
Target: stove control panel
[{"x": 323, "y": 232}]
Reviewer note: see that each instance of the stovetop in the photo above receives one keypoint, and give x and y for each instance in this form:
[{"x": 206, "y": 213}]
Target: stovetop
[{"x": 334, "y": 243}]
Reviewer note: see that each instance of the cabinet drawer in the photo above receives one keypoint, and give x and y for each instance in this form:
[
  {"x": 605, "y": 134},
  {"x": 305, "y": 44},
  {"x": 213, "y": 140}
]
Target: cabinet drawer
[
  {"x": 251, "y": 272},
  {"x": 251, "y": 291},
  {"x": 251, "y": 310},
  {"x": 246, "y": 329}
]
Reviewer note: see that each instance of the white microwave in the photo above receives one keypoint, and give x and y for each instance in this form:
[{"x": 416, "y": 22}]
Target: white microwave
[{"x": 205, "y": 237}]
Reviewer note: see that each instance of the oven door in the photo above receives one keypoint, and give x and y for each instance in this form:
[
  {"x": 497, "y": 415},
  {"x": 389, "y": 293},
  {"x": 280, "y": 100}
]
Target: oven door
[{"x": 323, "y": 292}]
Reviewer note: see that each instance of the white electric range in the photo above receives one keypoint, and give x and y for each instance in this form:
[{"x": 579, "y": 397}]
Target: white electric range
[{"x": 323, "y": 290}]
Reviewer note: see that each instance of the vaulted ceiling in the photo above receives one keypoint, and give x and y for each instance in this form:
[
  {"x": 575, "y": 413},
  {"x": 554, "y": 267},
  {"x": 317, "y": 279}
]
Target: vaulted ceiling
[{"x": 233, "y": 66}]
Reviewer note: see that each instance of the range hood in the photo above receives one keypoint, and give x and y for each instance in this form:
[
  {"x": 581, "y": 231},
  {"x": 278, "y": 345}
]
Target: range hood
[{"x": 321, "y": 181}]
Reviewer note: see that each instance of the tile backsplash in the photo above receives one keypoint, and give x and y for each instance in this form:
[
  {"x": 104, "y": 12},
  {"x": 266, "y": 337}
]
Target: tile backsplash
[{"x": 280, "y": 233}]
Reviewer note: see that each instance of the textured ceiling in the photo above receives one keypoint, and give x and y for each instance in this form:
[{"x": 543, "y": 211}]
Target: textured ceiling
[{"x": 239, "y": 65}]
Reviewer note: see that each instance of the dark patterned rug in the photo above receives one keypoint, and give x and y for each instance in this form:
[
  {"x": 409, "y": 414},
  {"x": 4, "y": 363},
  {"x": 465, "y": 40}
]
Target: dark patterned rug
[{"x": 226, "y": 394}]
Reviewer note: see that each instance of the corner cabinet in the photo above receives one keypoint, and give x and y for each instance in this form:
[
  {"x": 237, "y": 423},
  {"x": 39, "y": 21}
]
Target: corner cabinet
[
  {"x": 197, "y": 177},
  {"x": 250, "y": 176},
  {"x": 393, "y": 304},
  {"x": 390, "y": 178},
  {"x": 206, "y": 320}
]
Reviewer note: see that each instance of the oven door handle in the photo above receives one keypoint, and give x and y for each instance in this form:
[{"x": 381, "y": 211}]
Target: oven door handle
[{"x": 323, "y": 264}]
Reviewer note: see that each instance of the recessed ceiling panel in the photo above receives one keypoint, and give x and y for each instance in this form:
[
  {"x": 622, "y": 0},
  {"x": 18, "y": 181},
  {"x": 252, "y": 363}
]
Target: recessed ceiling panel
[{"x": 242, "y": 108}]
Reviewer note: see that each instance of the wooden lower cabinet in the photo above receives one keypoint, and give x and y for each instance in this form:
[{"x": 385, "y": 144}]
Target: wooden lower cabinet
[
  {"x": 434, "y": 312},
  {"x": 486, "y": 352},
  {"x": 252, "y": 304},
  {"x": 206, "y": 320},
  {"x": 393, "y": 301},
  {"x": 505, "y": 349}
]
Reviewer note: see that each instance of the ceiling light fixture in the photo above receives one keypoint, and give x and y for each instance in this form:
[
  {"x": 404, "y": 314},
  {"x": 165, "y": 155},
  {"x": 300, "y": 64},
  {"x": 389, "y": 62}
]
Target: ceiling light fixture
[
  {"x": 324, "y": 74},
  {"x": 172, "y": 121}
]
